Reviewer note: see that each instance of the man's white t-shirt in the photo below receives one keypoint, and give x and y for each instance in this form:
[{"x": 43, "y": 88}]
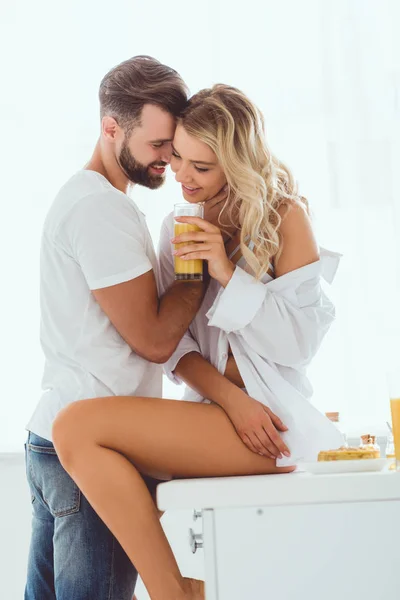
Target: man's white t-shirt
[{"x": 94, "y": 237}]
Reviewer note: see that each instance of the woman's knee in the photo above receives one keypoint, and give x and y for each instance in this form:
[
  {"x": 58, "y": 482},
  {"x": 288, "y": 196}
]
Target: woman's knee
[{"x": 68, "y": 432}]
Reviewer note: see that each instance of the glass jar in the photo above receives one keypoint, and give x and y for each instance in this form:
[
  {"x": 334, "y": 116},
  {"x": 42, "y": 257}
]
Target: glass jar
[
  {"x": 390, "y": 453},
  {"x": 369, "y": 441}
]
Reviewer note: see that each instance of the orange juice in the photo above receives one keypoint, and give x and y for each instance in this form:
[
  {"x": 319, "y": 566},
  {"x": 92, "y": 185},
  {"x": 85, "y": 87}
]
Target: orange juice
[
  {"x": 187, "y": 269},
  {"x": 395, "y": 409}
]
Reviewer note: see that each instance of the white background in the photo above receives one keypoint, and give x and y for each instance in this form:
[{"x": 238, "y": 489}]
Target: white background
[{"x": 326, "y": 75}]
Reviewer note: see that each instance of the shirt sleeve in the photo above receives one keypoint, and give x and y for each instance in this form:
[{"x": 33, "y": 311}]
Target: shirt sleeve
[
  {"x": 104, "y": 234},
  {"x": 166, "y": 271},
  {"x": 166, "y": 274},
  {"x": 283, "y": 320}
]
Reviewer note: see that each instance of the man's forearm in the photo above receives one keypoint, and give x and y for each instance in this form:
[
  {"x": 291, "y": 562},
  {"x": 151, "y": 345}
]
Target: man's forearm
[
  {"x": 177, "y": 309},
  {"x": 205, "y": 379}
]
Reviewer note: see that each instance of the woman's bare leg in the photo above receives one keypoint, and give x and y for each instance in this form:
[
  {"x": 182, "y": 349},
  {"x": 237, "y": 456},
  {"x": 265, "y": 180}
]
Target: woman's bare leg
[
  {"x": 105, "y": 443},
  {"x": 152, "y": 488}
]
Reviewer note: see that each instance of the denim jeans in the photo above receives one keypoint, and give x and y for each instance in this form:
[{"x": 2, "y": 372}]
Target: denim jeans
[{"x": 73, "y": 555}]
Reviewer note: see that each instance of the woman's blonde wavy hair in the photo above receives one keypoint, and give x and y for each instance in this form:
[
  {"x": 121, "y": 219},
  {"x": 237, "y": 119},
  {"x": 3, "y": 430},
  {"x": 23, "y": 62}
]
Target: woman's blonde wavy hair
[{"x": 258, "y": 183}]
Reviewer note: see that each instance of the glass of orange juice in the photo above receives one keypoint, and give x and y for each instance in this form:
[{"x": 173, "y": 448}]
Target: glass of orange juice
[
  {"x": 187, "y": 270},
  {"x": 393, "y": 379}
]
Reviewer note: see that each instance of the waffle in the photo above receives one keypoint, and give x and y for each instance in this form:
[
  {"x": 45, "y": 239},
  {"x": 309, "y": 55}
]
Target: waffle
[{"x": 348, "y": 453}]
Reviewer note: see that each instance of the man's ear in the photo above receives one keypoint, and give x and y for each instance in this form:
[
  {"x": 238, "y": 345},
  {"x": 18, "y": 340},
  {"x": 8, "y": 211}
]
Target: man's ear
[{"x": 110, "y": 128}]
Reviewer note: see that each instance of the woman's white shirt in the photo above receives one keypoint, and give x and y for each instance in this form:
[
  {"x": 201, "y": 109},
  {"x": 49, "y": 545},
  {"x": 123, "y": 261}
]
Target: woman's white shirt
[{"x": 274, "y": 328}]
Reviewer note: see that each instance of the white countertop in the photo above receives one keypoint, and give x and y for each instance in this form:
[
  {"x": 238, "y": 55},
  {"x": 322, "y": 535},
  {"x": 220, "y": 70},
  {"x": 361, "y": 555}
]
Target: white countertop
[{"x": 272, "y": 490}]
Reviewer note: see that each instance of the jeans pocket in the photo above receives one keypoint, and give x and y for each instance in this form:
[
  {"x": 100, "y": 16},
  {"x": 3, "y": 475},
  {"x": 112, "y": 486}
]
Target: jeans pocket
[
  {"x": 52, "y": 485},
  {"x": 31, "y": 491}
]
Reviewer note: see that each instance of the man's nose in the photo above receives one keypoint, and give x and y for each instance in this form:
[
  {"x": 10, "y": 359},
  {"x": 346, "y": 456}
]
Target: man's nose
[{"x": 166, "y": 153}]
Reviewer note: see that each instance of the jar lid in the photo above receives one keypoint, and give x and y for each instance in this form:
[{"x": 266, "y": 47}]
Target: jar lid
[
  {"x": 332, "y": 416},
  {"x": 367, "y": 438}
]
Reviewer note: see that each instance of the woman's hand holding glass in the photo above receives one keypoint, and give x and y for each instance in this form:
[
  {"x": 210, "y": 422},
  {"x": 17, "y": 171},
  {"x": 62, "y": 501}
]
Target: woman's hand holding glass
[{"x": 206, "y": 244}]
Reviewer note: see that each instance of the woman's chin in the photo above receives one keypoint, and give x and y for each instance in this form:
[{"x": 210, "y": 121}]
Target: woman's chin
[{"x": 192, "y": 199}]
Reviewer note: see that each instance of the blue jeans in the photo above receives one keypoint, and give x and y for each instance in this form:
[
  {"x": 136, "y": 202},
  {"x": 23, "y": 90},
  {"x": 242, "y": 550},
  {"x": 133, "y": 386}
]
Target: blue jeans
[{"x": 73, "y": 555}]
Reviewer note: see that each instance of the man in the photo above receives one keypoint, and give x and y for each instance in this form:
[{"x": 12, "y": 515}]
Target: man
[{"x": 103, "y": 329}]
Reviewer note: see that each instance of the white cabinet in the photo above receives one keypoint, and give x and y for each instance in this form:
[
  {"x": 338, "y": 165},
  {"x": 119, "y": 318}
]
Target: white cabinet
[
  {"x": 296, "y": 537},
  {"x": 313, "y": 552}
]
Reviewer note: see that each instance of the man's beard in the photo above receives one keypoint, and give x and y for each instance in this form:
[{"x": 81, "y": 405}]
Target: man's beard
[{"x": 138, "y": 173}]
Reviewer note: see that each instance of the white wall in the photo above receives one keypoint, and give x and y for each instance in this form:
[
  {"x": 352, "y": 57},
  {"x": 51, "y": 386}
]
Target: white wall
[
  {"x": 15, "y": 523},
  {"x": 326, "y": 75}
]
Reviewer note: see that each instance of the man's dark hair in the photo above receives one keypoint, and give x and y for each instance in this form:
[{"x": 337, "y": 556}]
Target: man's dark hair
[{"x": 138, "y": 81}]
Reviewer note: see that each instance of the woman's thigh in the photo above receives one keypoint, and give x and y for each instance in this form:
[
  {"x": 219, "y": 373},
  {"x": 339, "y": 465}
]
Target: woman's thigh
[{"x": 166, "y": 438}]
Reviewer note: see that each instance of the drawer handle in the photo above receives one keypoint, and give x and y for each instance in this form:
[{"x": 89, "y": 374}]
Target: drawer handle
[{"x": 195, "y": 541}]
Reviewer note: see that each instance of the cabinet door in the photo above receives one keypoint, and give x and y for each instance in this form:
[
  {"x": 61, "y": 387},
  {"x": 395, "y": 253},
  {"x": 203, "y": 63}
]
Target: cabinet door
[{"x": 319, "y": 552}]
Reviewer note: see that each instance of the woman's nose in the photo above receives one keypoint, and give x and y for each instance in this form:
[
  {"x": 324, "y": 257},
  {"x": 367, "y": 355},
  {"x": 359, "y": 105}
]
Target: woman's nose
[{"x": 182, "y": 175}]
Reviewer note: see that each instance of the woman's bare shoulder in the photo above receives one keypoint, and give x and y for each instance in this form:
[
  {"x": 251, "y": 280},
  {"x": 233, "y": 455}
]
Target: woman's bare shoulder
[
  {"x": 299, "y": 246},
  {"x": 295, "y": 206}
]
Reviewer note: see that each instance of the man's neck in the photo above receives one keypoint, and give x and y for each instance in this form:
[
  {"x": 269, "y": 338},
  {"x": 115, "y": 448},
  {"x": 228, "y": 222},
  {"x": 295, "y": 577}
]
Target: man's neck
[{"x": 104, "y": 162}]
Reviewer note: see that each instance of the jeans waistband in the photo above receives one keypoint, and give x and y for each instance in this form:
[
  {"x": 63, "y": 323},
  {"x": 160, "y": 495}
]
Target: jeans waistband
[{"x": 36, "y": 440}]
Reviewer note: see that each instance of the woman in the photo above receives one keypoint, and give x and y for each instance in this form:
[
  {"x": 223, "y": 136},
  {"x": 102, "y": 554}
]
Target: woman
[{"x": 260, "y": 324}]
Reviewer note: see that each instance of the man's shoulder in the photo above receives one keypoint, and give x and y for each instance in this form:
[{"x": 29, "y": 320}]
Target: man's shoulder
[
  {"x": 86, "y": 181},
  {"x": 87, "y": 194},
  {"x": 87, "y": 187}
]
